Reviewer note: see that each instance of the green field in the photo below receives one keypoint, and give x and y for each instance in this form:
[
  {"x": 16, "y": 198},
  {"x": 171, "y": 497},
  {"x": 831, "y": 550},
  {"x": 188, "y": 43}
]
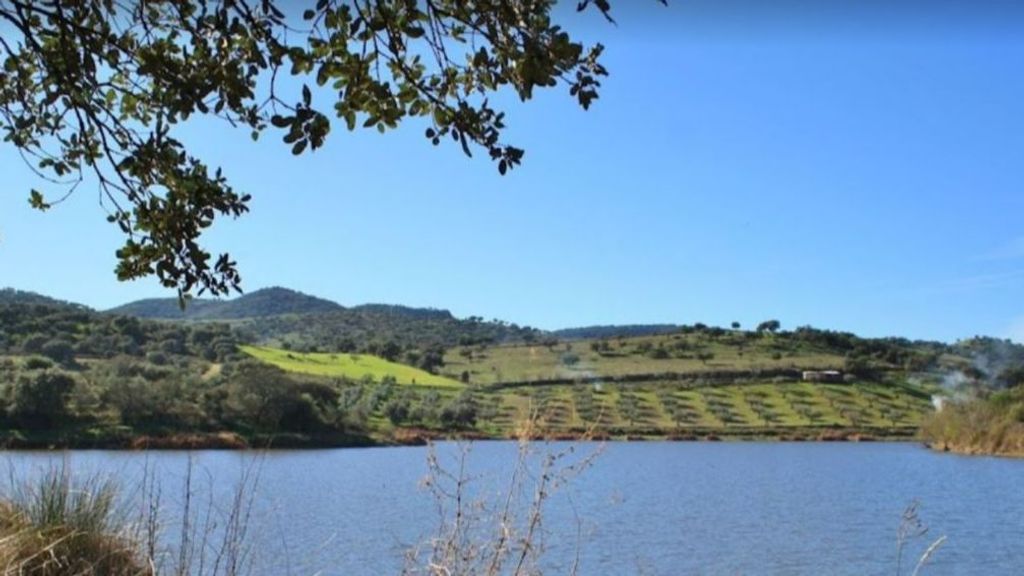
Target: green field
[
  {"x": 353, "y": 366},
  {"x": 680, "y": 354},
  {"x": 692, "y": 387}
]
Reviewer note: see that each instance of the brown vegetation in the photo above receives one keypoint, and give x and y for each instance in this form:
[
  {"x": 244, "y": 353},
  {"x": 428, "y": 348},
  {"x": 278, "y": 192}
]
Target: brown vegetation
[{"x": 986, "y": 426}]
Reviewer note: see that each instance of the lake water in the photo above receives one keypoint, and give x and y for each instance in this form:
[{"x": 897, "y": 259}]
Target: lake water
[{"x": 641, "y": 508}]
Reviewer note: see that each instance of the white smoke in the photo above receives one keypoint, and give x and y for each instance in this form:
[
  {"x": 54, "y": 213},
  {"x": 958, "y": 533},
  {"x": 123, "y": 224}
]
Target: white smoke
[{"x": 955, "y": 380}]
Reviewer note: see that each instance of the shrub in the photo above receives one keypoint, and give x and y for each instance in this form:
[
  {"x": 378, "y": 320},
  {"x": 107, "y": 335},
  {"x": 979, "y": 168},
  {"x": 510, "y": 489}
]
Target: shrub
[
  {"x": 658, "y": 353},
  {"x": 460, "y": 412},
  {"x": 53, "y": 528},
  {"x": 38, "y": 363},
  {"x": 60, "y": 351},
  {"x": 41, "y": 400},
  {"x": 397, "y": 411},
  {"x": 570, "y": 359}
]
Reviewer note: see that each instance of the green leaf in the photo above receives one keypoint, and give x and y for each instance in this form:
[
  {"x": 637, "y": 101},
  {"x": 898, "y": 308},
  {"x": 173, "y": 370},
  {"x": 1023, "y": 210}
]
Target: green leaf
[{"x": 36, "y": 200}]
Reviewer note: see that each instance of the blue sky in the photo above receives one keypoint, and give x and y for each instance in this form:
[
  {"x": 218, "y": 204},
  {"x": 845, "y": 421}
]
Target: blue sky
[{"x": 850, "y": 165}]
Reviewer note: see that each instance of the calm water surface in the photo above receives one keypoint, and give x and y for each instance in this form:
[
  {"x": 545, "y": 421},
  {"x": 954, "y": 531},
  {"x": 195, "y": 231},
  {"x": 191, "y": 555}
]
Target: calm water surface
[{"x": 642, "y": 508}]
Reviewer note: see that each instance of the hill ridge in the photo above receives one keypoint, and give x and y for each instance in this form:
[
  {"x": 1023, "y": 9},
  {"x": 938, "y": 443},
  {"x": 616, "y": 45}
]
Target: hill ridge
[
  {"x": 10, "y": 295},
  {"x": 269, "y": 301}
]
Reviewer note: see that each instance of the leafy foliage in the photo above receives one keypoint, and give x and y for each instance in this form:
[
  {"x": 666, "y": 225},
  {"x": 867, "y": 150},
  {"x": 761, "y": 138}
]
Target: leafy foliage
[{"x": 96, "y": 89}]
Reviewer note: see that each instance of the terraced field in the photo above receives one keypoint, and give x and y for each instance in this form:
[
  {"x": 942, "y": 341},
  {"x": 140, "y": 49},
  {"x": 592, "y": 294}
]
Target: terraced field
[
  {"x": 664, "y": 408},
  {"x": 747, "y": 389}
]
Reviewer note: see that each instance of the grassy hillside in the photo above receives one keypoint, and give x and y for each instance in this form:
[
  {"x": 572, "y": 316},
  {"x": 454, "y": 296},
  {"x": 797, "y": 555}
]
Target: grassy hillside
[
  {"x": 625, "y": 357},
  {"x": 73, "y": 377},
  {"x": 724, "y": 388},
  {"x": 352, "y": 366}
]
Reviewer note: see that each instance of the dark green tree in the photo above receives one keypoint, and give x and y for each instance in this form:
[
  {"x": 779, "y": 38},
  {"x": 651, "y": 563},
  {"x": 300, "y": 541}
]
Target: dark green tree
[
  {"x": 389, "y": 350},
  {"x": 59, "y": 350},
  {"x": 397, "y": 410},
  {"x": 432, "y": 359},
  {"x": 41, "y": 400},
  {"x": 460, "y": 412},
  {"x": 1011, "y": 377}
]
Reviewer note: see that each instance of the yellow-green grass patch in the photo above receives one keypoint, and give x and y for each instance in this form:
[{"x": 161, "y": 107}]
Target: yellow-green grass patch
[{"x": 354, "y": 366}]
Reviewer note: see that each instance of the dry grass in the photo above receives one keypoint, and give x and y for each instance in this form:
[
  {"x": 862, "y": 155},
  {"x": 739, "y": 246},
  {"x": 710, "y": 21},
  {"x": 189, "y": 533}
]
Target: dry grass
[
  {"x": 503, "y": 534},
  {"x": 55, "y": 528},
  {"x": 991, "y": 426}
]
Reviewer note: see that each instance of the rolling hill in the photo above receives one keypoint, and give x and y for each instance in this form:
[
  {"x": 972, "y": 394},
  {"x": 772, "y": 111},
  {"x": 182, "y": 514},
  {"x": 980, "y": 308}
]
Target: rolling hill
[
  {"x": 261, "y": 303},
  {"x": 279, "y": 360},
  {"x": 12, "y": 297},
  {"x": 283, "y": 317}
]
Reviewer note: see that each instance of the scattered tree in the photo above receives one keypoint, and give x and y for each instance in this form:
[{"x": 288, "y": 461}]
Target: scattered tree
[
  {"x": 41, "y": 400},
  {"x": 59, "y": 350}
]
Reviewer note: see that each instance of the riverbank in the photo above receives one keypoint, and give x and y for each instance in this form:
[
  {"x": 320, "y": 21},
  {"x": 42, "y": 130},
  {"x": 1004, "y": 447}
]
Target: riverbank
[
  {"x": 17, "y": 440},
  {"x": 977, "y": 449},
  {"x": 118, "y": 439},
  {"x": 983, "y": 426}
]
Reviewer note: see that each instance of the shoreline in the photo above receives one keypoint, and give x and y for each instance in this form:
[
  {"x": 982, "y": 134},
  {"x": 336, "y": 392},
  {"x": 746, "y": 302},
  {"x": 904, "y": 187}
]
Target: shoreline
[
  {"x": 420, "y": 437},
  {"x": 971, "y": 450}
]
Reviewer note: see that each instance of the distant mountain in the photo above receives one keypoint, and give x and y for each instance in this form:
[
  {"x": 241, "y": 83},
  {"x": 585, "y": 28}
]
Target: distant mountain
[
  {"x": 613, "y": 331},
  {"x": 10, "y": 296},
  {"x": 262, "y": 303},
  {"x": 166, "y": 308},
  {"x": 283, "y": 316},
  {"x": 362, "y": 326}
]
